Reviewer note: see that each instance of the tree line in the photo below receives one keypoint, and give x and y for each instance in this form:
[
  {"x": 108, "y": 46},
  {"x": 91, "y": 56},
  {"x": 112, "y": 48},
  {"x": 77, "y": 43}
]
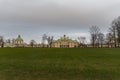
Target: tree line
[
  {"x": 112, "y": 38},
  {"x": 45, "y": 38},
  {"x": 98, "y": 38}
]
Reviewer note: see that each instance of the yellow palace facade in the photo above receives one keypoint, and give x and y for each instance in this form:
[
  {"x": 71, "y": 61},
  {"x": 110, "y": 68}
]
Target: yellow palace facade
[{"x": 65, "y": 42}]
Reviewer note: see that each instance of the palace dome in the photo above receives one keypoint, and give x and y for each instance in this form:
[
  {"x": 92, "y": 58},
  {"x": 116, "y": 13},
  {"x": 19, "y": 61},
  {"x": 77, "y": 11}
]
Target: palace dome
[{"x": 19, "y": 38}]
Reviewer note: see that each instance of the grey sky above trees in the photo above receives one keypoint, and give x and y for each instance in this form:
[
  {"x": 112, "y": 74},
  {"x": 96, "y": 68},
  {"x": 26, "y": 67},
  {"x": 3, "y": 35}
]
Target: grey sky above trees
[{"x": 33, "y": 18}]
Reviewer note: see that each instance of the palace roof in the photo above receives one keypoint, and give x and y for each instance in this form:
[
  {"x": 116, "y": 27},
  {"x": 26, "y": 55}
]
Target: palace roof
[
  {"x": 64, "y": 38},
  {"x": 19, "y": 38}
]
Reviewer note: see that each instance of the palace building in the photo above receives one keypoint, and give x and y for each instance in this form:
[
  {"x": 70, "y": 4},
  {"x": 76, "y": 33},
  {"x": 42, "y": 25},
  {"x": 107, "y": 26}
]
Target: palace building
[
  {"x": 65, "y": 42},
  {"x": 19, "y": 42}
]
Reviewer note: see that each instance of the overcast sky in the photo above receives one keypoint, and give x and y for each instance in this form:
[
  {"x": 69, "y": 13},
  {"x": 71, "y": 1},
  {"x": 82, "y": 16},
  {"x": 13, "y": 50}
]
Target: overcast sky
[{"x": 32, "y": 18}]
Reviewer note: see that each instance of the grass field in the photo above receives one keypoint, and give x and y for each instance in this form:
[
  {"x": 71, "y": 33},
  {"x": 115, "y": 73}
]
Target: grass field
[{"x": 59, "y": 64}]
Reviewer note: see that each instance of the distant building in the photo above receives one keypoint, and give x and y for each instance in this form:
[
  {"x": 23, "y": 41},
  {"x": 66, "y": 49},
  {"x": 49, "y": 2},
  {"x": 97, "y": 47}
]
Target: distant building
[
  {"x": 19, "y": 42},
  {"x": 65, "y": 42},
  {"x": 6, "y": 44}
]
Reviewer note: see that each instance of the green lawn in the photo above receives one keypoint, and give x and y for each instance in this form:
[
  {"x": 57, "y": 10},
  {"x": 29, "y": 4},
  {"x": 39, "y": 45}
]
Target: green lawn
[{"x": 59, "y": 64}]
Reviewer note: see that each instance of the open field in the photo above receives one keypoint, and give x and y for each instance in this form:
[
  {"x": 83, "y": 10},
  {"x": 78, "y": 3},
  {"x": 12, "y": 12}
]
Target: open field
[{"x": 59, "y": 64}]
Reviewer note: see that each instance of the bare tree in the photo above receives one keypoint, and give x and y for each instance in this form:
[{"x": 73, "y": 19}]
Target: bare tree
[
  {"x": 1, "y": 41},
  {"x": 115, "y": 29},
  {"x": 109, "y": 39},
  {"x": 8, "y": 41},
  {"x": 94, "y": 31},
  {"x": 32, "y": 43},
  {"x": 50, "y": 40},
  {"x": 44, "y": 38},
  {"x": 82, "y": 41},
  {"x": 101, "y": 39},
  {"x": 13, "y": 41},
  {"x": 113, "y": 32}
]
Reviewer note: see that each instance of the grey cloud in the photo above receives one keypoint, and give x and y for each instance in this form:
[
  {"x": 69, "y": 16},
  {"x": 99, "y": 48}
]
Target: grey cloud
[
  {"x": 56, "y": 15},
  {"x": 52, "y": 12}
]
